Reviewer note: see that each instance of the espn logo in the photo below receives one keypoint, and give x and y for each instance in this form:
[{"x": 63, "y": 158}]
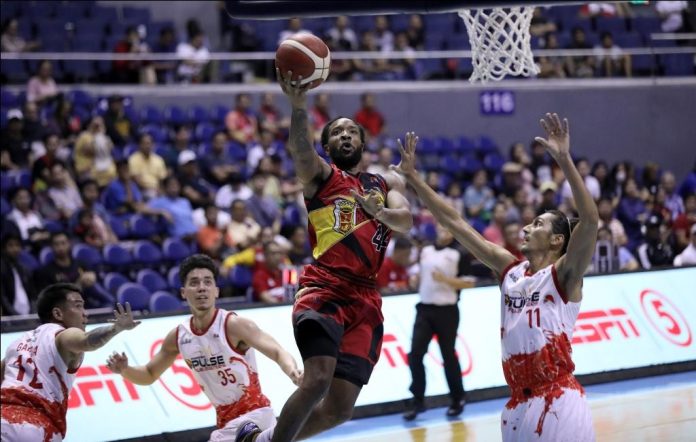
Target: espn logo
[
  {"x": 90, "y": 379},
  {"x": 603, "y": 325}
]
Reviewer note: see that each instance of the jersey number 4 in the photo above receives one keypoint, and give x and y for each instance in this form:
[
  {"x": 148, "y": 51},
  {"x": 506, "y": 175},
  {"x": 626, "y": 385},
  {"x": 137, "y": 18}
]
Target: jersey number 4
[
  {"x": 381, "y": 237},
  {"x": 534, "y": 313}
]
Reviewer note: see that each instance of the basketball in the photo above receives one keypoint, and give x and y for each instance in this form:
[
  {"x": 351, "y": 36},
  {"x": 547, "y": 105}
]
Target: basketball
[{"x": 305, "y": 55}]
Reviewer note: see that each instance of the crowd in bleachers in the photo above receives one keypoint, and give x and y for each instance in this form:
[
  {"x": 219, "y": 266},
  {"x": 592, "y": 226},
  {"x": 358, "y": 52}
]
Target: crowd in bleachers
[
  {"x": 98, "y": 192},
  {"x": 86, "y": 26}
]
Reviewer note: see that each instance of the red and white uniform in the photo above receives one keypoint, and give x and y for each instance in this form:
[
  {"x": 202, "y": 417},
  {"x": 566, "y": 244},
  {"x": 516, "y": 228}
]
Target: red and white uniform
[
  {"x": 547, "y": 402},
  {"x": 35, "y": 388},
  {"x": 227, "y": 375}
]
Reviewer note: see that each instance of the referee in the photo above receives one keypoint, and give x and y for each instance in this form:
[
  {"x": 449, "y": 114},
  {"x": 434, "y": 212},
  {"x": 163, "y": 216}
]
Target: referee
[{"x": 437, "y": 314}]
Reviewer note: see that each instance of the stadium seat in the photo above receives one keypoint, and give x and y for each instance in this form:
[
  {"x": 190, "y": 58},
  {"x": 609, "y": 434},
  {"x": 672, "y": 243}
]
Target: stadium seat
[
  {"x": 173, "y": 278},
  {"x": 135, "y": 294},
  {"x": 80, "y": 70},
  {"x": 204, "y": 132},
  {"x": 8, "y": 99},
  {"x": 615, "y": 25},
  {"x": 163, "y": 301},
  {"x": 45, "y": 255},
  {"x": 198, "y": 114},
  {"x": 14, "y": 70},
  {"x": 240, "y": 277},
  {"x": 151, "y": 115},
  {"x": 113, "y": 281},
  {"x": 151, "y": 280},
  {"x": 28, "y": 261},
  {"x": 107, "y": 13},
  {"x": 139, "y": 15},
  {"x": 54, "y": 226},
  {"x": 143, "y": 226},
  {"x": 175, "y": 250},
  {"x": 493, "y": 162},
  {"x": 120, "y": 226},
  {"x": 159, "y": 133},
  {"x": 5, "y": 206},
  {"x": 117, "y": 258},
  {"x": 678, "y": 64},
  {"x": 87, "y": 256},
  {"x": 78, "y": 97},
  {"x": 218, "y": 114},
  {"x": 175, "y": 116},
  {"x": 486, "y": 145},
  {"x": 145, "y": 253}
]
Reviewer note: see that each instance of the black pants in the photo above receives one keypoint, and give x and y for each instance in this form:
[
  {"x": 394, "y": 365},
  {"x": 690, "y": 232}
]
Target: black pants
[{"x": 441, "y": 321}]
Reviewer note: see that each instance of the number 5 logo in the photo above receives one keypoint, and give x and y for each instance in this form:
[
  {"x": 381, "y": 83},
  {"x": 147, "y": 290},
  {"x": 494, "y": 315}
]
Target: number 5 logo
[{"x": 665, "y": 317}]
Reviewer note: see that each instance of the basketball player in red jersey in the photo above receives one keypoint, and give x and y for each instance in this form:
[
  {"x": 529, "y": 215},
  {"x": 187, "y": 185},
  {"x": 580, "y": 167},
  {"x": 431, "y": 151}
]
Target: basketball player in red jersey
[
  {"x": 218, "y": 346},
  {"x": 39, "y": 368},
  {"x": 540, "y": 301},
  {"x": 337, "y": 315}
]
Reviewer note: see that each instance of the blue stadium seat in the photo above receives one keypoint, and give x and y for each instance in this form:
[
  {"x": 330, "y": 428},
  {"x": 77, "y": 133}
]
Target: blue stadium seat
[
  {"x": 486, "y": 145},
  {"x": 114, "y": 280},
  {"x": 457, "y": 42},
  {"x": 94, "y": 28},
  {"x": 28, "y": 261},
  {"x": 240, "y": 277},
  {"x": 163, "y": 301},
  {"x": 159, "y": 133},
  {"x": 174, "y": 250},
  {"x": 465, "y": 145},
  {"x": 145, "y": 253},
  {"x": 7, "y": 183},
  {"x": 117, "y": 258},
  {"x": 151, "y": 280},
  {"x": 237, "y": 152},
  {"x": 38, "y": 10},
  {"x": 173, "y": 278},
  {"x": 151, "y": 115},
  {"x": 198, "y": 114},
  {"x": 204, "y": 132},
  {"x": 441, "y": 22},
  {"x": 8, "y": 98},
  {"x": 569, "y": 23},
  {"x": 88, "y": 43},
  {"x": 87, "y": 255},
  {"x": 174, "y": 115},
  {"x": 78, "y": 97},
  {"x": 54, "y": 226},
  {"x": 628, "y": 40},
  {"x": 70, "y": 12},
  {"x": 645, "y": 26},
  {"x": 678, "y": 64},
  {"x": 14, "y": 70},
  {"x": 135, "y": 294},
  {"x": 5, "y": 206},
  {"x": 493, "y": 162},
  {"x": 218, "y": 114},
  {"x": 469, "y": 165},
  {"x": 615, "y": 25},
  {"x": 80, "y": 70},
  {"x": 143, "y": 226},
  {"x": 45, "y": 255},
  {"x": 140, "y": 15},
  {"x": 108, "y": 14},
  {"x": 120, "y": 226}
]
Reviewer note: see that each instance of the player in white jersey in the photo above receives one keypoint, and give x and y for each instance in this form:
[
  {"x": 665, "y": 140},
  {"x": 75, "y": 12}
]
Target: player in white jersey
[
  {"x": 39, "y": 368},
  {"x": 540, "y": 300},
  {"x": 218, "y": 346}
]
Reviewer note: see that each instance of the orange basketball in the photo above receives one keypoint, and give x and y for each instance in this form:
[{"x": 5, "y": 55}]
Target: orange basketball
[{"x": 305, "y": 55}]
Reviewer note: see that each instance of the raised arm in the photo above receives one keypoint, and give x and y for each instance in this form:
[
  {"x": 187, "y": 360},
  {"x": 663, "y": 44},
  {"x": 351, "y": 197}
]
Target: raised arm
[
  {"x": 571, "y": 266},
  {"x": 150, "y": 372},
  {"x": 493, "y": 256},
  {"x": 395, "y": 212},
  {"x": 74, "y": 340},
  {"x": 308, "y": 164},
  {"x": 250, "y": 334}
]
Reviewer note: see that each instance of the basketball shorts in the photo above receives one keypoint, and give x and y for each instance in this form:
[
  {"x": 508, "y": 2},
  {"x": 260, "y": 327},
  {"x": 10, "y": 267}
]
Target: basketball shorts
[
  {"x": 21, "y": 424},
  {"x": 352, "y": 318},
  {"x": 263, "y": 417},
  {"x": 566, "y": 418}
]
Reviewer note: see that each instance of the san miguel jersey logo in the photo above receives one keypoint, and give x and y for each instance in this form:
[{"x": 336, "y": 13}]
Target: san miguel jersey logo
[{"x": 344, "y": 215}]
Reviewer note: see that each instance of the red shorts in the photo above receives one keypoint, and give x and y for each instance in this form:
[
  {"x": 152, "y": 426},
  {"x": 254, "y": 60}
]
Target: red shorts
[{"x": 350, "y": 314}]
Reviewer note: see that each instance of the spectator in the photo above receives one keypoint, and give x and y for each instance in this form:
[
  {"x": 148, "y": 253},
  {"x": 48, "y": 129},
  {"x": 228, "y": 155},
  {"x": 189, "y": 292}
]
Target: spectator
[
  {"x": 132, "y": 71},
  {"x": 551, "y": 66},
  {"x": 233, "y": 190},
  {"x": 179, "y": 208},
  {"x": 241, "y": 122},
  {"x": 518, "y": 154},
  {"x": 92, "y": 155},
  {"x": 265, "y": 147},
  {"x": 294, "y": 27},
  {"x": 600, "y": 170},
  {"x": 63, "y": 268},
  {"x": 89, "y": 191},
  {"x": 672, "y": 15},
  {"x": 549, "y": 197},
  {"x": 217, "y": 164},
  {"x": 539, "y": 163},
  {"x": 479, "y": 199},
  {"x": 42, "y": 88},
  {"x": 632, "y": 213},
  {"x": 394, "y": 275},
  {"x": 15, "y": 148},
  {"x": 415, "y": 32},
  {"x": 146, "y": 167},
  {"x": 688, "y": 186},
  {"x": 611, "y": 60},
  {"x": 18, "y": 295},
  {"x": 64, "y": 121},
  {"x": 511, "y": 179},
  {"x": 28, "y": 221},
  {"x": 688, "y": 255},
  {"x": 320, "y": 114},
  {"x": 62, "y": 191},
  {"x": 300, "y": 252},
  {"x": 194, "y": 59},
  {"x": 166, "y": 44},
  {"x": 180, "y": 143},
  {"x": 512, "y": 239},
  {"x": 494, "y": 231},
  {"x": 385, "y": 158},
  {"x": 581, "y": 66},
  {"x": 34, "y": 128},
  {"x": 673, "y": 202},
  {"x": 267, "y": 282},
  {"x": 541, "y": 25},
  {"x": 655, "y": 251},
  {"x": 404, "y": 67},
  {"x": 683, "y": 223},
  {"x": 605, "y": 9},
  {"x": 370, "y": 69},
  {"x": 370, "y": 117},
  {"x": 591, "y": 184},
  {"x": 92, "y": 229},
  {"x": 210, "y": 237},
  {"x": 610, "y": 256},
  {"x": 270, "y": 166},
  {"x": 12, "y": 41},
  {"x": 41, "y": 170},
  {"x": 342, "y": 36},
  {"x": 453, "y": 195},
  {"x": 262, "y": 208},
  {"x": 271, "y": 118},
  {"x": 122, "y": 197},
  {"x": 193, "y": 186},
  {"x": 119, "y": 127},
  {"x": 242, "y": 231},
  {"x": 608, "y": 220}
]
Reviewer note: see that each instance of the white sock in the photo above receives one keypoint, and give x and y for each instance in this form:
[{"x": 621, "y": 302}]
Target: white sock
[{"x": 266, "y": 435}]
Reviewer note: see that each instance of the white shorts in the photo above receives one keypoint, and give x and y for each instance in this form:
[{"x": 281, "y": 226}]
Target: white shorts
[
  {"x": 12, "y": 432},
  {"x": 568, "y": 419},
  {"x": 263, "y": 417}
]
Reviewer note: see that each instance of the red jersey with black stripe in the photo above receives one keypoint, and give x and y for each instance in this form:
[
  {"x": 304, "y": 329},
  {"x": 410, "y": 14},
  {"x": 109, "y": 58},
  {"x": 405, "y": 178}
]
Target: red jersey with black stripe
[{"x": 345, "y": 239}]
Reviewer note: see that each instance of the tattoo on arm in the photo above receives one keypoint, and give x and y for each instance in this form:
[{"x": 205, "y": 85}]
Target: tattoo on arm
[
  {"x": 300, "y": 139},
  {"x": 99, "y": 336}
]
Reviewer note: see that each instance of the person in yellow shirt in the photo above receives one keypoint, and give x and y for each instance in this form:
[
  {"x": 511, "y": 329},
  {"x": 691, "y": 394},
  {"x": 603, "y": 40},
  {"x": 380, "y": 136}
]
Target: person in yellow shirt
[{"x": 146, "y": 167}]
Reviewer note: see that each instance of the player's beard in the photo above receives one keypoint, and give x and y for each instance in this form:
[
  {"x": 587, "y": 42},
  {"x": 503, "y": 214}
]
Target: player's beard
[{"x": 346, "y": 162}]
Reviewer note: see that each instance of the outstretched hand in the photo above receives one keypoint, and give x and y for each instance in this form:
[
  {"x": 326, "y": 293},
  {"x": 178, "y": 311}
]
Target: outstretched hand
[
  {"x": 373, "y": 203},
  {"x": 296, "y": 92},
  {"x": 558, "y": 142},
  {"x": 407, "y": 165},
  {"x": 123, "y": 318},
  {"x": 117, "y": 362}
]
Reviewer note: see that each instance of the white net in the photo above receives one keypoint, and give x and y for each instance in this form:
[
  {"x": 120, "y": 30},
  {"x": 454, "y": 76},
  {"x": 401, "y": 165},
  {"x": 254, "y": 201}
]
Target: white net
[{"x": 500, "y": 42}]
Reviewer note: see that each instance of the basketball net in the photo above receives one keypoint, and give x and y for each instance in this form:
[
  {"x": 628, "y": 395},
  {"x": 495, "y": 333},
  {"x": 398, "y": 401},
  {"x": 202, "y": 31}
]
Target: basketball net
[{"x": 500, "y": 42}]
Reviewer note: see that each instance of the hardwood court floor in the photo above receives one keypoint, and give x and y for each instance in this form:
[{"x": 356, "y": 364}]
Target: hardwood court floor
[{"x": 659, "y": 408}]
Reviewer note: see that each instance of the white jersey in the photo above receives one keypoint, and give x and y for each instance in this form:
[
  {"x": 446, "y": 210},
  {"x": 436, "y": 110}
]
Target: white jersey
[
  {"x": 36, "y": 376},
  {"x": 227, "y": 375}
]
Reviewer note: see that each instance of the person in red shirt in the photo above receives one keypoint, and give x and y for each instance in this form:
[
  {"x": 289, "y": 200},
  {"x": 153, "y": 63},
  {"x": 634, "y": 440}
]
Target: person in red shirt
[
  {"x": 683, "y": 222},
  {"x": 267, "y": 282},
  {"x": 241, "y": 122},
  {"x": 512, "y": 238},
  {"x": 369, "y": 117},
  {"x": 393, "y": 275}
]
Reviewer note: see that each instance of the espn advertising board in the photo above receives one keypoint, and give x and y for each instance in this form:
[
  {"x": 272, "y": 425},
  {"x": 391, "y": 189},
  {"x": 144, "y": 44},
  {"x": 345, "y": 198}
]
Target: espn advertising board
[{"x": 626, "y": 321}]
